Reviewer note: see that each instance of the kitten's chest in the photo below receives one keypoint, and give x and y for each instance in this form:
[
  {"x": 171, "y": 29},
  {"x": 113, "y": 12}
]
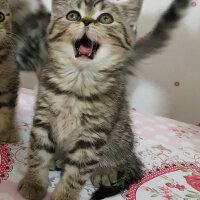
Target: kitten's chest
[
  {"x": 75, "y": 114},
  {"x": 67, "y": 123},
  {"x": 66, "y": 127}
]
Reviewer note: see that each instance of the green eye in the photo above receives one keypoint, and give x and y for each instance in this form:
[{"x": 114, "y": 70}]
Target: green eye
[
  {"x": 2, "y": 17},
  {"x": 106, "y": 18},
  {"x": 73, "y": 16}
]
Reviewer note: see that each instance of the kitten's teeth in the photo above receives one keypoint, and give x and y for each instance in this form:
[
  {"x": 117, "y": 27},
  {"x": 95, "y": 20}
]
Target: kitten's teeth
[{"x": 93, "y": 46}]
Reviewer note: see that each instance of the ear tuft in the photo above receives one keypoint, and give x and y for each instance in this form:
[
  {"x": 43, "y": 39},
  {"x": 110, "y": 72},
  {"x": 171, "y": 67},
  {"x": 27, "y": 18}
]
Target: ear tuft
[
  {"x": 131, "y": 10},
  {"x": 57, "y": 5}
]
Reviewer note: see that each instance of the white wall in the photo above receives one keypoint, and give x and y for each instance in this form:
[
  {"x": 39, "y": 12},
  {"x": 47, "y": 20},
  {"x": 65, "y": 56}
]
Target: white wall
[
  {"x": 47, "y": 3},
  {"x": 152, "y": 90}
]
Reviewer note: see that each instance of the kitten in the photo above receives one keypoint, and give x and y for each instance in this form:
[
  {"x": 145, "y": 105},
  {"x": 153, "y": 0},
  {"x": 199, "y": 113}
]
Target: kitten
[
  {"x": 8, "y": 77},
  {"x": 30, "y": 20},
  {"x": 81, "y": 111}
]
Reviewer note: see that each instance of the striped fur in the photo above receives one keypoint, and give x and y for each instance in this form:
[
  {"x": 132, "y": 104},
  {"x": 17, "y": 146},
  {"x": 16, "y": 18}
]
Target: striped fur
[
  {"x": 81, "y": 112},
  {"x": 30, "y": 20},
  {"x": 8, "y": 78}
]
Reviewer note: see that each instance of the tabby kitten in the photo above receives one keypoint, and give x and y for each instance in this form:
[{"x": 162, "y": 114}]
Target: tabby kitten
[
  {"x": 8, "y": 77},
  {"x": 81, "y": 111}
]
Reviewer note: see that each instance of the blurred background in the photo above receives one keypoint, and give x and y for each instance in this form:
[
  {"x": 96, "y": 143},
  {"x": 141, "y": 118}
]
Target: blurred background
[{"x": 167, "y": 83}]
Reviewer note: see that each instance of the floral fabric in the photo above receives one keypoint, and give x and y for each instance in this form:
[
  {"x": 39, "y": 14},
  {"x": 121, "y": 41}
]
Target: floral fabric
[{"x": 170, "y": 151}]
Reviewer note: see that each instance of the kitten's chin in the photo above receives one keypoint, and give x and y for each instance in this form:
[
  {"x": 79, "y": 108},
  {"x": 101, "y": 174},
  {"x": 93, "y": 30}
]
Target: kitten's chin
[
  {"x": 83, "y": 58},
  {"x": 83, "y": 63}
]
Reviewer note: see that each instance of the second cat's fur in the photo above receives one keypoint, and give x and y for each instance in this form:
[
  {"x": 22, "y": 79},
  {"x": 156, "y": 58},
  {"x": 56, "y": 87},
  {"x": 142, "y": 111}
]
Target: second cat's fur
[
  {"x": 8, "y": 76},
  {"x": 30, "y": 20}
]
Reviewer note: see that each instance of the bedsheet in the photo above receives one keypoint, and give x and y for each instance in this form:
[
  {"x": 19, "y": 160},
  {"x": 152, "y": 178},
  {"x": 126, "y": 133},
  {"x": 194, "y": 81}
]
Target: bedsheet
[{"x": 170, "y": 151}]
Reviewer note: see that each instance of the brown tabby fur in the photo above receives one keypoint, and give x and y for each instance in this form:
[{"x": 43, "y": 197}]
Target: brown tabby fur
[
  {"x": 8, "y": 78},
  {"x": 81, "y": 112}
]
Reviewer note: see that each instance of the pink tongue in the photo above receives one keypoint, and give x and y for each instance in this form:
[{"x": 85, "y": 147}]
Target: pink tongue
[{"x": 84, "y": 50}]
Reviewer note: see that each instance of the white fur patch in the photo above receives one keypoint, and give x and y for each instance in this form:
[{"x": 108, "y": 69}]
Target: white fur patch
[{"x": 117, "y": 1}]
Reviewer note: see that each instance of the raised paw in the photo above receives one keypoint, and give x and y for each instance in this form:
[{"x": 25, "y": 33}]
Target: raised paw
[
  {"x": 104, "y": 176},
  {"x": 31, "y": 191}
]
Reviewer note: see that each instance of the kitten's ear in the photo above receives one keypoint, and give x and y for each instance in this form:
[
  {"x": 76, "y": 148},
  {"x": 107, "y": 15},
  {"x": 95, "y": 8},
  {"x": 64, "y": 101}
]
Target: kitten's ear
[
  {"x": 57, "y": 5},
  {"x": 131, "y": 10},
  {"x": 54, "y": 6}
]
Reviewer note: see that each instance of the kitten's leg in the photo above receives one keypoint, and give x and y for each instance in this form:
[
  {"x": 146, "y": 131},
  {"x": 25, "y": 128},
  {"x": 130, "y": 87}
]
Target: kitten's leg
[
  {"x": 8, "y": 133},
  {"x": 8, "y": 97},
  {"x": 105, "y": 176},
  {"x": 79, "y": 164},
  {"x": 122, "y": 175},
  {"x": 119, "y": 166},
  {"x": 34, "y": 185},
  {"x": 111, "y": 181}
]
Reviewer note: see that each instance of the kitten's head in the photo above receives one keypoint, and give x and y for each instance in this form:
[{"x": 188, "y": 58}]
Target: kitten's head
[
  {"x": 94, "y": 33},
  {"x": 5, "y": 22}
]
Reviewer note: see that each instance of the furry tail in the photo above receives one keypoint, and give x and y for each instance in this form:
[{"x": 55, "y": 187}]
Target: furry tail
[
  {"x": 129, "y": 174},
  {"x": 161, "y": 32}
]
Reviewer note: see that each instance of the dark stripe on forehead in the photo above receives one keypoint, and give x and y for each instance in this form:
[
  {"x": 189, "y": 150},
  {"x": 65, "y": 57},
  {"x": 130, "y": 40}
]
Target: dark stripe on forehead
[
  {"x": 92, "y": 3},
  {"x": 79, "y": 4},
  {"x": 87, "y": 2},
  {"x": 97, "y": 2}
]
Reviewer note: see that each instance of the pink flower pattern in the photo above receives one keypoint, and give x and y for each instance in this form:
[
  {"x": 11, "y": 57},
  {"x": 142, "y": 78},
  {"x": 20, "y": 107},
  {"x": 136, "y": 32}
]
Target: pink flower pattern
[
  {"x": 170, "y": 185},
  {"x": 194, "y": 181},
  {"x": 158, "y": 155},
  {"x": 148, "y": 189},
  {"x": 166, "y": 193},
  {"x": 180, "y": 187}
]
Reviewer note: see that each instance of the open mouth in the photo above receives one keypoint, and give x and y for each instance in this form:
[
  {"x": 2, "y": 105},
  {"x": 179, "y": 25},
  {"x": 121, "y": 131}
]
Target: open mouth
[{"x": 85, "y": 47}]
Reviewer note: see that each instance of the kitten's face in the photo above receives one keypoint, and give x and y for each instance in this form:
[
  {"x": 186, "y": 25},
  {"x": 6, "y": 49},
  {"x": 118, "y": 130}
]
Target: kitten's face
[
  {"x": 92, "y": 32},
  {"x": 5, "y": 23}
]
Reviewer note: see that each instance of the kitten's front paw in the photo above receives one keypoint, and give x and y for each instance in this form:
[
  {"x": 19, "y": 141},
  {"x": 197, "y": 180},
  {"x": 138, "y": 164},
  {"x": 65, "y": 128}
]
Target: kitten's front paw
[
  {"x": 104, "y": 176},
  {"x": 62, "y": 192},
  {"x": 59, "y": 196},
  {"x": 31, "y": 191},
  {"x": 9, "y": 136}
]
